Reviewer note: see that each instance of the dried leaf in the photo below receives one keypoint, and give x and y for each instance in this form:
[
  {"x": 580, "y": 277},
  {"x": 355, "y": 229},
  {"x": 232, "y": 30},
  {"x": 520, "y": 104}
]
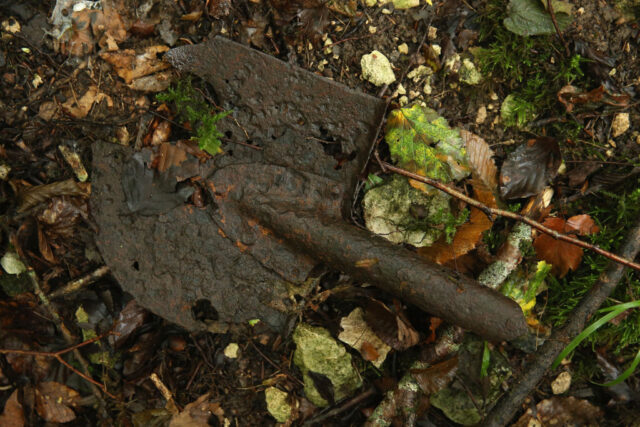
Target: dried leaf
[
  {"x": 562, "y": 255},
  {"x": 562, "y": 411},
  {"x": 40, "y": 193},
  {"x": 357, "y": 333},
  {"x": 392, "y": 328},
  {"x": 197, "y": 414},
  {"x": 53, "y": 401},
  {"x": 13, "y": 413},
  {"x": 570, "y": 96},
  {"x": 81, "y": 108},
  {"x": 436, "y": 377},
  {"x": 130, "y": 66},
  {"x": 45, "y": 248},
  {"x": 528, "y": 169},
  {"x": 480, "y": 159}
]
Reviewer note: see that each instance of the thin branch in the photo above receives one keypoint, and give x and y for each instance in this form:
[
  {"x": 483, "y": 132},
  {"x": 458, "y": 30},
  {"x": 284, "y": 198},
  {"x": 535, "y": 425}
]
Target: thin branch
[
  {"x": 494, "y": 212},
  {"x": 511, "y": 402},
  {"x": 555, "y": 24},
  {"x": 58, "y": 356},
  {"x": 79, "y": 283}
]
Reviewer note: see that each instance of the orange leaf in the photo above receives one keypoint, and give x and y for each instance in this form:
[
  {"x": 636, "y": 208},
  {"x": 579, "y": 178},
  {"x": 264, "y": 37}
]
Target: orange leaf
[
  {"x": 368, "y": 351},
  {"x": 562, "y": 255}
]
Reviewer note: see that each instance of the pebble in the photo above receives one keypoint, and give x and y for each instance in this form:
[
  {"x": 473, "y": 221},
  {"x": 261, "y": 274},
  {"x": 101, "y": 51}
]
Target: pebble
[
  {"x": 403, "y": 48},
  {"x": 620, "y": 124},
  {"x": 482, "y": 115}
]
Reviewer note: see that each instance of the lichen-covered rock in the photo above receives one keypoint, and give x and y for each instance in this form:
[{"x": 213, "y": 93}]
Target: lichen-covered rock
[
  {"x": 405, "y": 4},
  {"x": 468, "y": 72},
  {"x": 317, "y": 352},
  {"x": 278, "y": 404},
  {"x": 376, "y": 68},
  {"x": 402, "y": 214}
]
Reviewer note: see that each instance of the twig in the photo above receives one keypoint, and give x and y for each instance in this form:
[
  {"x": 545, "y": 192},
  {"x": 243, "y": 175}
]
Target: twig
[
  {"x": 79, "y": 283},
  {"x": 555, "y": 24},
  {"x": 58, "y": 356},
  {"x": 493, "y": 212},
  {"x": 509, "y": 405},
  {"x": 371, "y": 391},
  {"x": 166, "y": 394}
]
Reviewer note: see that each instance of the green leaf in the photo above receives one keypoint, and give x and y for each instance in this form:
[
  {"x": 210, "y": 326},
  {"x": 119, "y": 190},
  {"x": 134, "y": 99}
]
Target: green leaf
[
  {"x": 529, "y": 18},
  {"x": 486, "y": 359},
  {"x": 421, "y": 140},
  {"x": 614, "y": 311}
]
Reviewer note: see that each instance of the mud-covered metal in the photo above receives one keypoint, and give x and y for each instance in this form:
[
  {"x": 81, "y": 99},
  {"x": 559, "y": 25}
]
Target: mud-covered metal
[{"x": 274, "y": 213}]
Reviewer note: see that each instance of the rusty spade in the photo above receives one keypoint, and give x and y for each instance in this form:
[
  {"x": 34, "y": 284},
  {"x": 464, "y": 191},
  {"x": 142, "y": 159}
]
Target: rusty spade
[{"x": 277, "y": 207}]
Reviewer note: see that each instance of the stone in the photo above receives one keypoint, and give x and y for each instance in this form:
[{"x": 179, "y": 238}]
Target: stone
[
  {"x": 620, "y": 124},
  {"x": 376, "y": 69}
]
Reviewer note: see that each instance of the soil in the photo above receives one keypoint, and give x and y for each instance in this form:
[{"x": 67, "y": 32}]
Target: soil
[{"x": 54, "y": 230}]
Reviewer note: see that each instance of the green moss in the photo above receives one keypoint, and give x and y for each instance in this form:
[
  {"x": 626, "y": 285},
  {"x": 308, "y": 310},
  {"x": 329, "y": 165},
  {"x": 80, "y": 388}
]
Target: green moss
[{"x": 191, "y": 107}]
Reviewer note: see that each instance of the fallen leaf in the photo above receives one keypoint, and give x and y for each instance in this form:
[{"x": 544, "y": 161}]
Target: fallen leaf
[
  {"x": 562, "y": 255},
  {"x": 130, "y": 66},
  {"x": 168, "y": 155},
  {"x": 53, "y": 401},
  {"x": 359, "y": 335},
  {"x": 392, "y": 328},
  {"x": 529, "y": 168},
  {"x": 528, "y": 18},
  {"x": 436, "y": 377},
  {"x": 562, "y": 411},
  {"x": 79, "y": 108},
  {"x": 129, "y": 320},
  {"x": 480, "y": 159},
  {"x": 61, "y": 216},
  {"x": 570, "y": 96},
  {"x": 39, "y": 193},
  {"x": 13, "y": 413}
]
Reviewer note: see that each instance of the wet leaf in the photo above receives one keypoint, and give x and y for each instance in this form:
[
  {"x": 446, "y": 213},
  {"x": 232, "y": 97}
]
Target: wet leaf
[
  {"x": 529, "y": 18},
  {"x": 13, "y": 413},
  {"x": 129, "y": 320},
  {"x": 61, "y": 216},
  {"x": 529, "y": 168},
  {"x": 562, "y": 411},
  {"x": 54, "y": 402},
  {"x": 392, "y": 328},
  {"x": 168, "y": 155},
  {"x": 562, "y": 255},
  {"x": 436, "y": 377}
]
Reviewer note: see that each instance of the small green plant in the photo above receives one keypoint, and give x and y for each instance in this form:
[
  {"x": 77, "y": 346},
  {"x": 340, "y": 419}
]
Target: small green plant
[{"x": 191, "y": 107}]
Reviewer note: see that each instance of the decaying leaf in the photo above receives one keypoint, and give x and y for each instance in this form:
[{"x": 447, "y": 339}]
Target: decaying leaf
[
  {"x": 168, "y": 155},
  {"x": 480, "y": 159},
  {"x": 130, "y": 66},
  {"x": 197, "y": 413},
  {"x": 13, "y": 413},
  {"x": 570, "y": 96},
  {"x": 529, "y": 168},
  {"x": 357, "y": 333},
  {"x": 130, "y": 318},
  {"x": 562, "y": 411},
  {"x": 436, "y": 377},
  {"x": 418, "y": 135},
  {"x": 54, "y": 402},
  {"x": 529, "y": 17},
  {"x": 392, "y": 328},
  {"x": 80, "y": 107},
  {"x": 40, "y": 193},
  {"x": 562, "y": 255}
]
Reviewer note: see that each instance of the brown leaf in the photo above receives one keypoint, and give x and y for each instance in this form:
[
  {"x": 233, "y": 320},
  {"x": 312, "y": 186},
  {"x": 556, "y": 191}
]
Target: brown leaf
[
  {"x": 130, "y": 318},
  {"x": 437, "y": 377},
  {"x": 168, "y": 155},
  {"x": 570, "y": 96},
  {"x": 45, "y": 248},
  {"x": 368, "y": 351},
  {"x": 79, "y": 107},
  {"x": 480, "y": 159},
  {"x": 130, "y": 66},
  {"x": 62, "y": 215},
  {"x": 392, "y": 328},
  {"x": 37, "y": 194},
  {"x": 562, "y": 411},
  {"x": 13, "y": 414},
  {"x": 528, "y": 169},
  {"x": 197, "y": 414},
  {"x": 466, "y": 239},
  {"x": 53, "y": 401},
  {"x": 562, "y": 255}
]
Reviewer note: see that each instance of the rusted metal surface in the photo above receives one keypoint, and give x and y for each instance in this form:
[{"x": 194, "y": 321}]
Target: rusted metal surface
[{"x": 275, "y": 212}]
